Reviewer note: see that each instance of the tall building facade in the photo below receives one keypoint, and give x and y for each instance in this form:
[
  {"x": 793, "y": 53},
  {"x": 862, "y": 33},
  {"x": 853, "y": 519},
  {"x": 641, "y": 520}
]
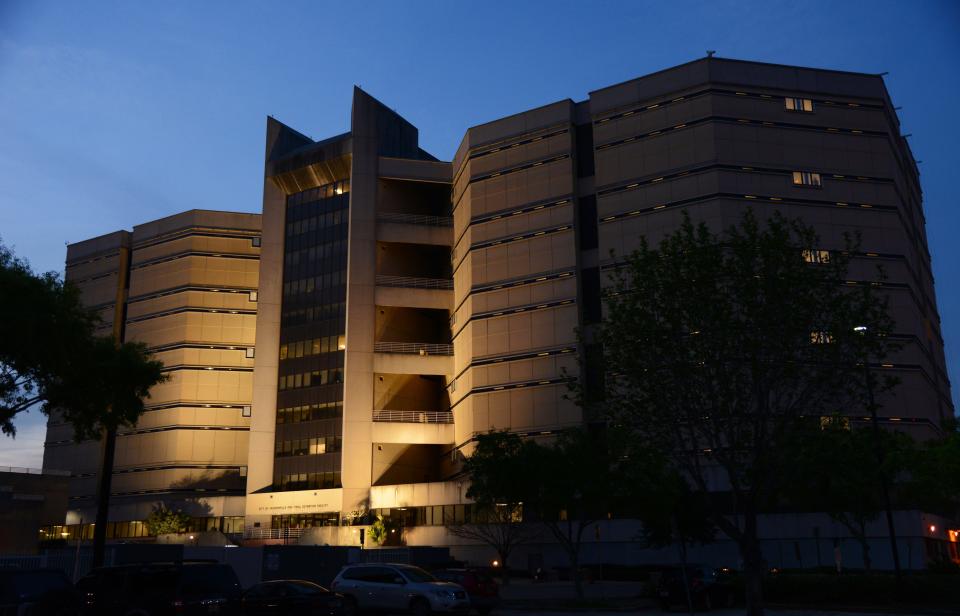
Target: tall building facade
[
  {"x": 401, "y": 305},
  {"x": 186, "y": 286},
  {"x": 408, "y": 304}
]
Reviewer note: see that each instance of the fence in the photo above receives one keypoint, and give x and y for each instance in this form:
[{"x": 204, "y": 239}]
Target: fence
[
  {"x": 440, "y": 417},
  {"x": 413, "y": 348},
  {"x": 416, "y": 219},
  {"x": 411, "y": 282}
]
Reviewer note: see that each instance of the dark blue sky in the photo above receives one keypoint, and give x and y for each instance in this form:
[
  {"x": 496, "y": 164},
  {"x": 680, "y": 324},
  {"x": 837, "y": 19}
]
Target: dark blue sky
[{"x": 115, "y": 113}]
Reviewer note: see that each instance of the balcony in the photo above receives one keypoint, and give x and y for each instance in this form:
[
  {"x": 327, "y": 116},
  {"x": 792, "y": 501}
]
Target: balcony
[
  {"x": 411, "y": 282},
  {"x": 413, "y": 348},
  {"x": 436, "y": 417},
  {"x": 426, "y": 220}
]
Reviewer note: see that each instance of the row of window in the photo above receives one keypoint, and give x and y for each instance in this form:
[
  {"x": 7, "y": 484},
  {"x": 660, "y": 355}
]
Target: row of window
[
  {"x": 322, "y": 192},
  {"x": 816, "y": 256},
  {"x": 307, "y": 285},
  {"x": 309, "y": 481},
  {"x": 310, "y": 379},
  {"x": 798, "y": 104},
  {"x": 315, "y": 346},
  {"x": 325, "y": 220},
  {"x": 308, "y": 446},
  {"x": 436, "y": 515},
  {"x": 311, "y": 314},
  {"x": 134, "y": 529},
  {"x": 806, "y": 178},
  {"x": 310, "y": 412},
  {"x": 319, "y": 251},
  {"x": 304, "y": 520}
]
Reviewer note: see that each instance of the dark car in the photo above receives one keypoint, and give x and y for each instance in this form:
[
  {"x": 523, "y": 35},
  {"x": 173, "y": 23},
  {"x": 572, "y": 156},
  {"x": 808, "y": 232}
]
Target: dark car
[
  {"x": 159, "y": 589},
  {"x": 481, "y": 588},
  {"x": 40, "y": 592},
  {"x": 709, "y": 588},
  {"x": 291, "y": 597}
]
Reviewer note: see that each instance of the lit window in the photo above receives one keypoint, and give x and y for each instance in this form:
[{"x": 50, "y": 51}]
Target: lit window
[
  {"x": 798, "y": 104},
  {"x": 253, "y": 296},
  {"x": 806, "y": 178},
  {"x": 250, "y": 352},
  {"x": 247, "y": 412},
  {"x": 820, "y": 338},
  {"x": 816, "y": 256}
]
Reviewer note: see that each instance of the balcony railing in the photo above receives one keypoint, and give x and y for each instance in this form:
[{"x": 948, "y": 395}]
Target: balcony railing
[
  {"x": 435, "y": 417},
  {"x": 413, "y": 348},
  {"x": 251, "y": 532},
  {"x": 415, "y": 219},
  {"x": 411, "y": 282}
]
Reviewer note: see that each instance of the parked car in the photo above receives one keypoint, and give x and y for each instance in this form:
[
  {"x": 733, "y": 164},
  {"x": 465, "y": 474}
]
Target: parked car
[
  {"x": 392, "y": 588},
  {"x": 709, "y": 588},
  {"x": 483, "y": 591},
  {"x": 40, "y": 592},
  {"x": 159, "y": 589},
  {"x": 289, "y": 597}
]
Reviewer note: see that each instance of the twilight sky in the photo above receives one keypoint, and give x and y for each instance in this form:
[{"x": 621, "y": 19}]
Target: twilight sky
[{"x": 116, "y": 113}]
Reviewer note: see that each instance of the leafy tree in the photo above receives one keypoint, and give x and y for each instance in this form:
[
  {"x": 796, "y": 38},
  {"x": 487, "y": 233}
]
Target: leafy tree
[
  {"x": 837, "y": 472},
  {"x": 384, "y": 532},
  {"x": 719, "y": 344},
  {"x": 575, "y": 485},
  {"x": 934, "y": 469},
  {"x": 162, "y": 520},
  {"x": 500, "y": 479},
  {"x": 51, "y": 357}
]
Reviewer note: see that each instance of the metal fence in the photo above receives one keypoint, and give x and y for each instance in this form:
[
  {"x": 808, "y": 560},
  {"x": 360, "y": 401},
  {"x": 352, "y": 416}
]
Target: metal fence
[
  {"x": 416, "y": 219},
  {"x": 413, "y": 348},
  {"x": 411, "y": 282},
  {"x": 440, "y": 417}
]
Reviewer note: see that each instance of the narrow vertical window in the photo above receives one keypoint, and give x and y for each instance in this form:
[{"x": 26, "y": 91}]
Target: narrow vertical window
[
  {"x": 806, "y": 178},
  {"x": 798, "y": 104}
]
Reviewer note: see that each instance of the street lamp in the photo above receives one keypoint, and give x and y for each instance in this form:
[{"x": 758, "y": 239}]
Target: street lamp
[{"x": 863, "y": 330}]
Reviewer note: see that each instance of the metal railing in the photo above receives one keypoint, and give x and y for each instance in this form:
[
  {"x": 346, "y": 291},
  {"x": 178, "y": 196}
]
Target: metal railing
[
  {"x": 251, "y": 532},
  {"x": 416, "y": 219},
  {"x": 412, "y": 282},
  {"x": 413, "y": 348},
  {"x": 435, "y": 417}
]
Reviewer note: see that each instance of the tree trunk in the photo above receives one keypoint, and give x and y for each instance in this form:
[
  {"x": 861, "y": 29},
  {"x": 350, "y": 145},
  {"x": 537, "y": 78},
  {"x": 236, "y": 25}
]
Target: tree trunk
[
  {"x": 504, "y": 570},
  {"x": 865, "y": 547},
  {"x": 753, "y": 569},
  {"x": 104, "y": 484},
  {"x": 575, "y": 572}
]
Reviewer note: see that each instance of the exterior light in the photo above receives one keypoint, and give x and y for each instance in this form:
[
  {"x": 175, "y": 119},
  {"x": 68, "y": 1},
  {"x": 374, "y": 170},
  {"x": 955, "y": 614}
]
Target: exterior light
[
  {"x": 191, "y": 537},
  {"x": 933, "y": 528},
  {"x": 496, "y": 563},
  {"x": 860, "y": 329}
]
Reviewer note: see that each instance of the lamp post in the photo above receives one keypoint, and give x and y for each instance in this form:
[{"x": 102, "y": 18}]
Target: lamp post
[{"x": 863, "y": 330}]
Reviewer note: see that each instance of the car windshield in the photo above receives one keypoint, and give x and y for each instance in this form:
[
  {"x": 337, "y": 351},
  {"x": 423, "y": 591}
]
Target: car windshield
[
  {"x": 34, "y": 584},
  {"x": 416, "y": 574}
]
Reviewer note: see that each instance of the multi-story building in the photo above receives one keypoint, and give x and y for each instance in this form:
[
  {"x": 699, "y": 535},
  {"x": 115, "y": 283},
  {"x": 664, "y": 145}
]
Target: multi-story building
[
  {"x": 186, "y": 286},
  {"x": 408, "y": 304}
]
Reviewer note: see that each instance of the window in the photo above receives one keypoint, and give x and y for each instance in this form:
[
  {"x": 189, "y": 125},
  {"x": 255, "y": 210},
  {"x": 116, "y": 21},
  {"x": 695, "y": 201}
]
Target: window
[
  {"x": 820, "y": 338},
  {"x": 806, "y": 178},
  {"x": 253, "y": 296},
  {"x": 251, "y": 352},
  {"x": 247, "y": 411},
  {"x": 816, "y": 256},
  {"x": 255, "y": 241},
  {"x": 798, "y": 104}
]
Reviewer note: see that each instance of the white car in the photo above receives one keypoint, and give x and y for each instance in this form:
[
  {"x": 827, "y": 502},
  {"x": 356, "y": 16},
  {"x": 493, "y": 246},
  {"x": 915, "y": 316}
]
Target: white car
[{"x": 398, "y": 588}]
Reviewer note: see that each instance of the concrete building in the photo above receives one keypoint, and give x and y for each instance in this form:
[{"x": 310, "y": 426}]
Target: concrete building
[
  {"x": 453, "y": 290},
  {"x": 186, "y": 286},
  {"x": 406, "y": 304},
  {"x": 30, "y": 498}
]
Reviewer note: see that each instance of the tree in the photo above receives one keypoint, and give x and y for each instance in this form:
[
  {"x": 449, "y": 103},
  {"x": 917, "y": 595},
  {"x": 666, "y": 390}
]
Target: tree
[
  {"x": 500, "y": 480},
  {"x": 836, "y": 471},
  {"x": 575, "y": 485},
  {"x": 51, "y": 357},
  {"x": 385, "y": 532},
  {"x": 934, "y": 469},
  {"x": 162, "y": 520},
  {"x": 718, "y": 345}
]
